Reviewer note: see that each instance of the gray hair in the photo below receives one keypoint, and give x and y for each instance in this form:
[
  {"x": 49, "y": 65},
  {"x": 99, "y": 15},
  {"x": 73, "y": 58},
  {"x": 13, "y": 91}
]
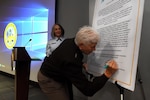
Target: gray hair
[{"x": 86, "y": 35}]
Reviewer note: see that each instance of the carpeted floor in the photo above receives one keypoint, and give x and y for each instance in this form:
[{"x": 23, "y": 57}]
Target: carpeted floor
[{"x": 7, "y": 89}]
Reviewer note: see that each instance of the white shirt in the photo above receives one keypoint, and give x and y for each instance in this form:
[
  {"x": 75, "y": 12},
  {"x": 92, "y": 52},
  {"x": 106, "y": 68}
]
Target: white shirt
[{"x": 52, "y": 45}]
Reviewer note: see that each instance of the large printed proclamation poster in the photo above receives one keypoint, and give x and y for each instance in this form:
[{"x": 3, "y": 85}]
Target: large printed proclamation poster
[{"x": 119, "y": 25}]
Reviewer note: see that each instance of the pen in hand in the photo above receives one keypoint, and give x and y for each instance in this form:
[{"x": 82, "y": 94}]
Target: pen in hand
[{"x": 105, "y": 66}]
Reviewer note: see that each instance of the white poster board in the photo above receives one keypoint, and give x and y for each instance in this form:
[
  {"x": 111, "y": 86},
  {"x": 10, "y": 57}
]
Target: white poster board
[{"x": 119, "y": 24}]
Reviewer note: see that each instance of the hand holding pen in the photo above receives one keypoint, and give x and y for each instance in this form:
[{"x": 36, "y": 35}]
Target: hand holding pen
[{"x": 111, "y": 67}]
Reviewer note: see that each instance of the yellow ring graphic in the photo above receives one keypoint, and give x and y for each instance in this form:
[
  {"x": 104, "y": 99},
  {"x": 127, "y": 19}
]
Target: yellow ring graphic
[{"x": 10, "y": 35}]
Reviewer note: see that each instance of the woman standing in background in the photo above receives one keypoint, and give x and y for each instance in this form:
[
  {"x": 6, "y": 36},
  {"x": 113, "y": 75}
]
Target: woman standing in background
[{"x": 57, "y": 37}]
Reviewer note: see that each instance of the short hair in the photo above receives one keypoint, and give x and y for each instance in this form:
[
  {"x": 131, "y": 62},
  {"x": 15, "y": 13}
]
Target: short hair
[
  {"x": 62, "y": 30},
  {"x": 87, "y": 34}
]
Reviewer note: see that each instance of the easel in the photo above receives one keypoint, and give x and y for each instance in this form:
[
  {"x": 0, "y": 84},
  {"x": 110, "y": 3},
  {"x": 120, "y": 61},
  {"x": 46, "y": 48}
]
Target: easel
[
  {"x": 139, "y": 80},
  {"x": 121, "y": 91}
]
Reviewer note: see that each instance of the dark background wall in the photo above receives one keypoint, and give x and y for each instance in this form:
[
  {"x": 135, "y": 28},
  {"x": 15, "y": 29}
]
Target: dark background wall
[
  {"x": 72, "y": 14},
  {"x": 144, "y": 56}
]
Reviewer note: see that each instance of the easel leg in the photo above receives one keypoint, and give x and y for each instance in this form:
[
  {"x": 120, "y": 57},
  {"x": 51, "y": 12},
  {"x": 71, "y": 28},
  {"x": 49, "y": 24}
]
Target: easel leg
[
  {"x": 121, "y": 91},
  {"x": 140, "y": 81}
]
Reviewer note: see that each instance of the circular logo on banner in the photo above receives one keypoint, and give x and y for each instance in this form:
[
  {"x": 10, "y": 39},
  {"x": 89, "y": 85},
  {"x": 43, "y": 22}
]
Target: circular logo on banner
[{"x": 10, "y": 35}]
